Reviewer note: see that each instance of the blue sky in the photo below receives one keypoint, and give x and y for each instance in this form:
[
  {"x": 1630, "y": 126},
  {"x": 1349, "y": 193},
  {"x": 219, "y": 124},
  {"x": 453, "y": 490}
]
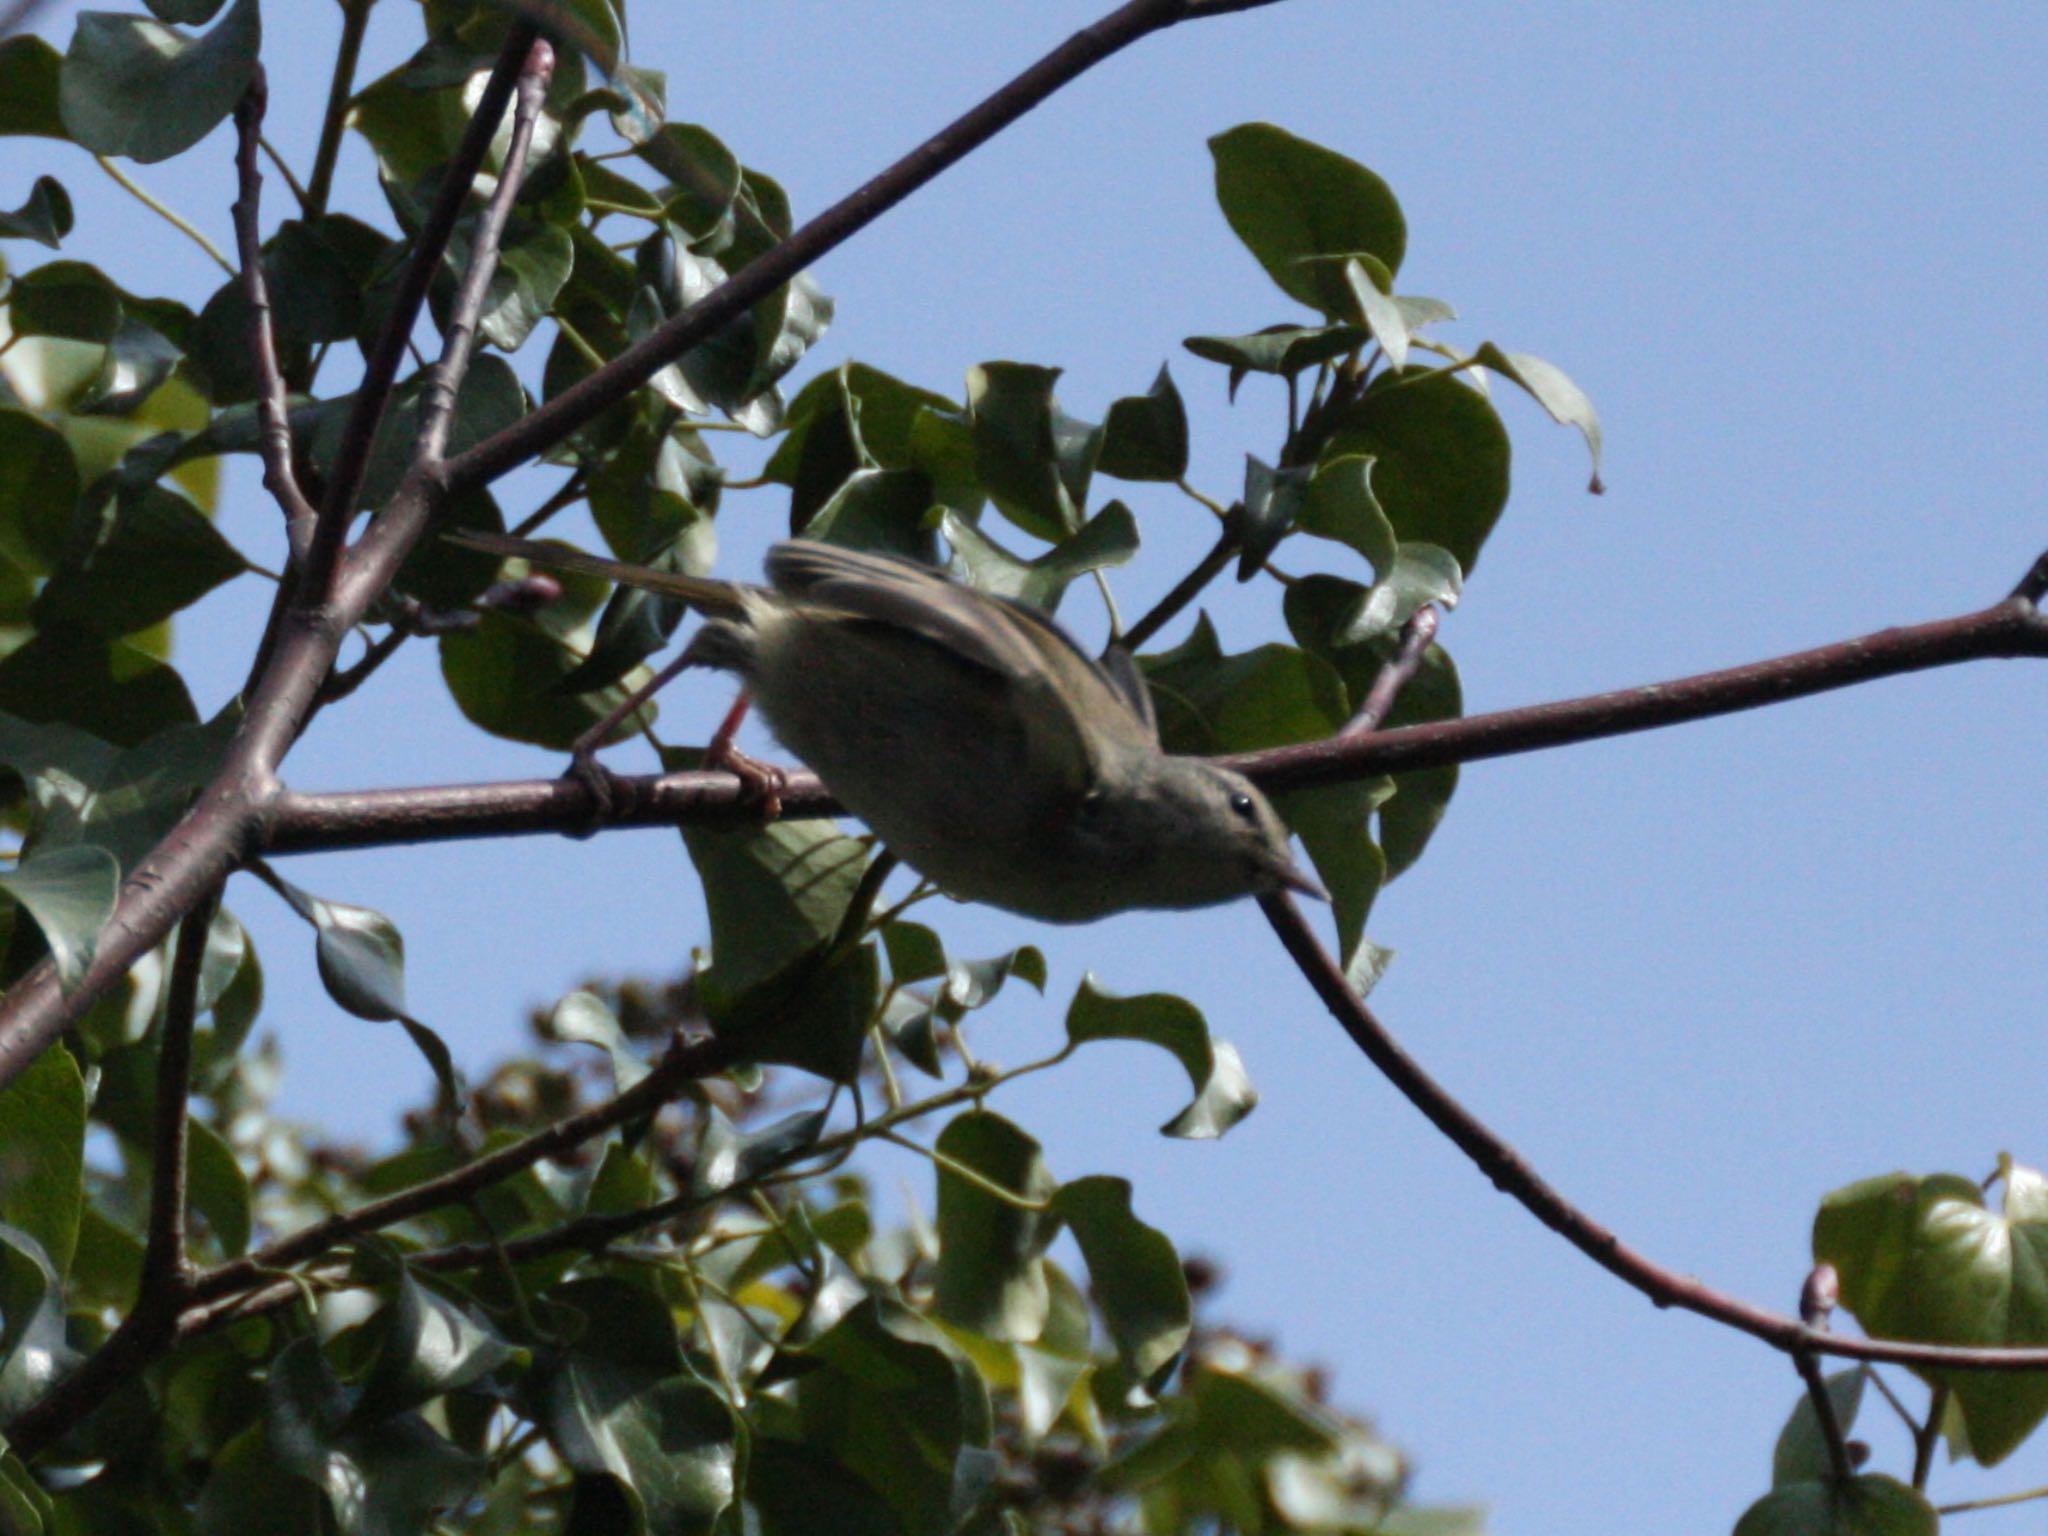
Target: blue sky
[{"x": 1700, "y": 977}]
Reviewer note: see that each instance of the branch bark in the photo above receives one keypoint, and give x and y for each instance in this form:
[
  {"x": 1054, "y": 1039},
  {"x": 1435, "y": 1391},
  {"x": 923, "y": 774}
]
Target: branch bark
[{"x": 300, "y": 823}]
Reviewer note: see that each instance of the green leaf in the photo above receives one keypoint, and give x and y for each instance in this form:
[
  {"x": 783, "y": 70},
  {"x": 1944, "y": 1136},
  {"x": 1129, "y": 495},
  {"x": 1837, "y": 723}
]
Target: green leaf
[
  {"x": 361, "y": 958},
  {"x": 247, "y": 1493},
  {"x": 1272, "y": 504},
  {"x": 851, "y": 418},
  {"x": 29, "y": 73},
  {"x": 1288, "y": 199},
  {"x": 1870, "y": 1505},
  {"x": 1358, "y": 287},
  {"x": 38, "y": 494},
  {"x": 25, "y": 1510},
  {"x": 883, "y": 510},
  {"x": 1802, "y": 1455},
  {"x": 898, "y": 1406},
  {"x": 1924, "y": 1259},
  {"x": 728, "y": 1156},
  {"x": 70, "y": 893},
  {"x": 132, "y": 86},
  {"x": 506, "y": 675},
  {"x": 704, "y": 175},
  {"x": 617, "y": 1407},
  {"x": 1340, "y": 505},
  {"x": 1279, "y": 349},
  {"x": 42, "y": 1157},
  {"x": 379, "y": 1479},
  {"x": 65, "y": 298},
  {"x": 534, "y": 261},
  {"x": 582, "y": 1016},
  {"x": 915, "y": 953},
  {"x": 430, "y": 1346},
  {"x": 1223, "y": 1092},
  {"x": 156, "y": 556},
  {"x": 123, "y": 800},
  {"x": 798, "y": 1490},
  {"x": 1033, "y": 461},
  {"x": 1320, "y": 613},
  {"x": 1110, "y": 538},
  {"x": 33, "y": 1350},
  {"x": 1145, "y": 437},
  {"x": 1547, "y": 384},
  {"x": 1134, "y": 1273},
  {"x": 112, "y": 689},
  {"x": 1440, "y": 456},
  {"x": 991, "y": 1278},
  {"x": 773, "y": 894}
]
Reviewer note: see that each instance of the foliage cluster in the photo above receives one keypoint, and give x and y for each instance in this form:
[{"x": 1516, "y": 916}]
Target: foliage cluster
[{"x": 652, "y": 1297}]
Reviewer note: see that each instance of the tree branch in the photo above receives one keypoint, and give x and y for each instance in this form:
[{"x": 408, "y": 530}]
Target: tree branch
[
  {"x": 682, "y": 1065},
  {"x": 355, "y": 21},
  {"x": 609, "y": 385},
  {"x": 380, "y": 368},
  {"x": 1506, "y": 1169},
  {"x": 227, "y": 822},
  {"x": 1416, "y": 637},
  {"x": 301, "y": 823},
  {"x": 444, "y": 380},
  {"x": 273, "y": 411},
  {"x": 166, "y": 1282}
]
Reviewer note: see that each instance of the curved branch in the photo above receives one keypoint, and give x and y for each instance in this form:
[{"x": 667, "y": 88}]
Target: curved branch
[{"x": 1510, "y": 1173}]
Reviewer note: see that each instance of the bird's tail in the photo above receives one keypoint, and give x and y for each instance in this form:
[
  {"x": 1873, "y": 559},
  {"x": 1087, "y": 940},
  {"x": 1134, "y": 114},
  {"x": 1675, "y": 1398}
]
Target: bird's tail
[{"x": 707, "y": 596}]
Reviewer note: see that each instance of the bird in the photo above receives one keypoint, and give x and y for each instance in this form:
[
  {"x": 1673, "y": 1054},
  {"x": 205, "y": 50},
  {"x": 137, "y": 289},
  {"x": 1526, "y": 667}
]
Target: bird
[{"x": 971, "y": 733}]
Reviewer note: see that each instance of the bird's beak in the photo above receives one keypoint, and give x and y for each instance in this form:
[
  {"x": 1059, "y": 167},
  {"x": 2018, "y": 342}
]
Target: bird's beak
[{"x": 1293, "y": 879}]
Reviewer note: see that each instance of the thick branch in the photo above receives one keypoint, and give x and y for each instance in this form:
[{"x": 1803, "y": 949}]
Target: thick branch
[
  {"x": 625, "y": 373},
  {"x": 300, "y": 823},
  {"x": 2012, "y": 628}
]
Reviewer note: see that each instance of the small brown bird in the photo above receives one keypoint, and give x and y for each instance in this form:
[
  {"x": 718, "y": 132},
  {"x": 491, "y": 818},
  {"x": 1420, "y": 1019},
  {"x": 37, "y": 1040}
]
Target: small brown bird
[{"x": 972, "y": 734}]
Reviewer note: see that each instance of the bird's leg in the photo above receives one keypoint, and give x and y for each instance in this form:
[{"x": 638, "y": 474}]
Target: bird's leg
[
  {"x": 761, "y": 783},
  {"x": 611, "y": 795}
]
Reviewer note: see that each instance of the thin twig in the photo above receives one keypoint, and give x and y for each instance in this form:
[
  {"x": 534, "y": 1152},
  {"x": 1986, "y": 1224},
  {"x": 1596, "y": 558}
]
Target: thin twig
[
  {"x": 1824, "y": 1410},
  {"x": 348, "y": 679},
  {"x": 1510, "y": 1173},
  {"x": 444, "y": 380},
  {"x": 1416, "y": 637},
  {"x": 164, "y": 211},
  {"x": 1927, "y": 1434},
  {"x": 684, "y": 1064},
  {"x": 166, "y": 1267},
  {"x": 355, "y": 21},
  {"x": 380, "y": 369},
  {"x": 273, "y": 410},
  {"x": 1187, "y": 589}
]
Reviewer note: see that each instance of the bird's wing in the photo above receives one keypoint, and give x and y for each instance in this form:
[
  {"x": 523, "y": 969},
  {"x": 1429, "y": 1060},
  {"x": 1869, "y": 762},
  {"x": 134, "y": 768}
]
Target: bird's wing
[{"x": 1075, "y": 711}]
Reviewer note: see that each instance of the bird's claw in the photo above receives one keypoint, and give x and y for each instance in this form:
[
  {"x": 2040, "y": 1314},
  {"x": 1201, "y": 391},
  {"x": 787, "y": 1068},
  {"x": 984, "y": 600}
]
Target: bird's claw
[
  {"x": 610, "y": 796},
  {"x": 761, "y": 784}
]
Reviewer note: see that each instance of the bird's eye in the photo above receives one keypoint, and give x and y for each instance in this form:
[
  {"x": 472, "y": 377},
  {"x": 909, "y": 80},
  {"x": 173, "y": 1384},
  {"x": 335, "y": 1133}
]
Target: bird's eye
[{"x": 1241, "y": 803}]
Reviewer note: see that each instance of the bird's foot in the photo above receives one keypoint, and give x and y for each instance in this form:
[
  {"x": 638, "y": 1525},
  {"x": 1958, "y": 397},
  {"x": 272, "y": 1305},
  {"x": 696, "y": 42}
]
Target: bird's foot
[{"x": 761, "y": 784}]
